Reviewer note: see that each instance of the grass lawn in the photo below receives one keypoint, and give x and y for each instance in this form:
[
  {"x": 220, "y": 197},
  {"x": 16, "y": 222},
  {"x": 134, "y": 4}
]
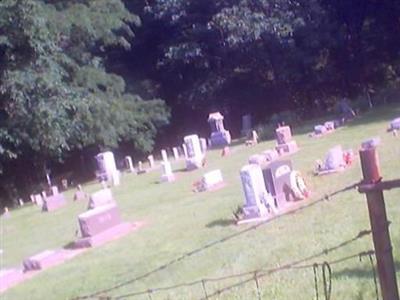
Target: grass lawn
[{"x": 179, "y": 221}]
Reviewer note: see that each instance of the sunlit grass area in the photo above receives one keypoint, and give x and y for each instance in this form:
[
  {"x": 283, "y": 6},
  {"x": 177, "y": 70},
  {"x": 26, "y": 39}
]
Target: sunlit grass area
[{"x": 179, "y": 221}]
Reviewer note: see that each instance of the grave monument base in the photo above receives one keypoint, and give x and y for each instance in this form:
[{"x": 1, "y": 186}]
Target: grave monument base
[
  {"x": 288, "y": 148},
  {"x": 193, "y": 164},
  {"x": 168, "y": 178},
  {"x": 10, "y": 277},
  {"x": 220, "y": 139},
  {"x": 47, "y": 259},
  {"x": 101, "y": 238},
  {"x": 54, "y": 202}
]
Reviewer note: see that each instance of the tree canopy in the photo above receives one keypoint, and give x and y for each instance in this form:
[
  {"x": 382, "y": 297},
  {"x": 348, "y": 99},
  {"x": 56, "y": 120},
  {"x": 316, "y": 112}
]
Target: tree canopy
[
  {"x": 79, "y": 76},
  {"x": 56, "y": 94}
]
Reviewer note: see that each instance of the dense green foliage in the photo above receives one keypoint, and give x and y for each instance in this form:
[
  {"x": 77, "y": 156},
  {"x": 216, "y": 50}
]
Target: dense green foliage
[
  {"x": 55, "y": 93},
  {"x": 272, "y": 54},
  {"x": 74, "y": 74}
]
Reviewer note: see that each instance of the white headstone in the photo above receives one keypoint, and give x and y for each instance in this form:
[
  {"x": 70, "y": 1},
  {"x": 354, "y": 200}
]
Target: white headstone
[
  {"x": 164, "y": 155},
  {"x": 107, "y": 169},
  {"x": 101, "y": 198},
  {"x": 151, "y": 160},
  {"x": 257, "y": 159},
  {"x": 129, "y": 164},
  {"x": 176, "y": 153},
  {"x": 54, "y": 190},
  {"x": 334, "y": 159},
  {"x": 48, "y": 179},
  {"x": 21, "y": 202},
  {"x": 140, "y": 166},
  {"x": 194, "y": 154},
  {"x": 257, "y": 197},
  {"x": 203, "y": 145},
  {"x": 167, "y": 175},
  {"x": 38, "y": 199},
  {"x": 254, "y": 137},
  {"x": 185, "y": 152},
  {"x": 212, "y": 179}
]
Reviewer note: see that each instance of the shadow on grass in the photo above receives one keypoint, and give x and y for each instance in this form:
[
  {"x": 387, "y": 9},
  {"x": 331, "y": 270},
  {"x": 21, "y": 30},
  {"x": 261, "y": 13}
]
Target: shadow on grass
[
  {"x": 361, "y": 272},
  {"x": 70, "y": 246},
  {"x": 221, "y": 223}
]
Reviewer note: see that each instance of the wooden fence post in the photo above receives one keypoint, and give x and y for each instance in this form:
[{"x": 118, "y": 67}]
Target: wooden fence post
[{"x": 379, "y": 225}]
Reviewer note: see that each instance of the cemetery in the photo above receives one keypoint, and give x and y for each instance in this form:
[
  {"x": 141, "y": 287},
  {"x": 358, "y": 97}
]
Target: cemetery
[
  {"x": 199, "y": 149},
  {"x": 124, "y": 233}
]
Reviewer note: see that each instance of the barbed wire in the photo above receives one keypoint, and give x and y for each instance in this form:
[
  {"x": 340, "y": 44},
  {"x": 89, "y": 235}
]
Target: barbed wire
[
  {"x": 291, "y": 265},
  {"x": 254, "y": 275},
  {"x": 326, "y": 197},
  {"x": 264, "y": 273}
]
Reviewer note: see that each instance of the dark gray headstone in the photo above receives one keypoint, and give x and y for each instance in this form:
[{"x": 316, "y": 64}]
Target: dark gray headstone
[{"x": 277, "y": 180}]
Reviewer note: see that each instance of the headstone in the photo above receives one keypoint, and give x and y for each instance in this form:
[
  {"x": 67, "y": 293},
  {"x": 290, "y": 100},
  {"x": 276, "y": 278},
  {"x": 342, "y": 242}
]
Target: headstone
[
  {"x": 140, "y": 168},
  {"x": 6, "y": 213},
  {"x": 164, "y": 155},
  {"x": 42, "y": 260},
  {"x": 330, "y": 125},
  {"x": 79, "y": 194},
  {"x": 48, "y": 178},
  {"x": 212, "y": 180},
  {"x": 194, "y": 154},
  {"x": 64, "y": 184},
  {"x": 21, "y": 202},
  {"x": 285, "y": 143},
  {"x": 151, "y": 161},
  {"x": 94, "y": 221},
  {"x": 101, "y": 225},
  {"x": 257, "y": 199},
  {"x": 254, "y": 137},
  {"x": 54, "y": 190},
  {"x": 219, "y": 135},
  {"x": 167, "y": 175},
  {"x": 257, "y": 159},
  {"x": 395, "y": 124},
  {"x": 270, "y": 155},
  {"x": 334, "y": 159},
  {"x": 129, "y": 164},
  {"x": 320, "y": 129},
  {"x": 176, "y": 153},
  {"x": 185, "y": 152},
  {"x": 54, "y": 202},
  {"x": 101, "y": 198},
  {"x": 44, "y": 195},
  {"x": 277, "y": 181},
  {"x": 203, "y": 145},
  {"x": 246, "y": 125},
  {"x": 38, "y": 199},
  {"x": 107, "y": 169}
]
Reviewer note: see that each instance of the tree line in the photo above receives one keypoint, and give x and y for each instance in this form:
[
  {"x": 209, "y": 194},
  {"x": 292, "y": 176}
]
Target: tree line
[{"x": 81, "y": 76}]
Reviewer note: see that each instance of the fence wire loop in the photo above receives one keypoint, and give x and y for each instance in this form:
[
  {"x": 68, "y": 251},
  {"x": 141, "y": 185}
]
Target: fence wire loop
[
  {"x": 315, "y": 269},
  {"x": 327, "y": 280}
]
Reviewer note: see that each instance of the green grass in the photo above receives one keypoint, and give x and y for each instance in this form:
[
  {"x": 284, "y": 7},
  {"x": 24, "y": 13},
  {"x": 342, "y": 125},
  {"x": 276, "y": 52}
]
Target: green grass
[{"x": 179, "y": 221}]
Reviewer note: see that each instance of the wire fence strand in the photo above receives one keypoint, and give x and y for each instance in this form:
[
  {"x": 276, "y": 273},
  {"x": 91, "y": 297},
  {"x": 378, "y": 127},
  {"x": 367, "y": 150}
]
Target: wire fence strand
[{"x": 213, "y": 243}]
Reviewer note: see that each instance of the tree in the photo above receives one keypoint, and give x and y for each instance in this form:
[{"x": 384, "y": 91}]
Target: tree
[{"x": 55, "y": 92}]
